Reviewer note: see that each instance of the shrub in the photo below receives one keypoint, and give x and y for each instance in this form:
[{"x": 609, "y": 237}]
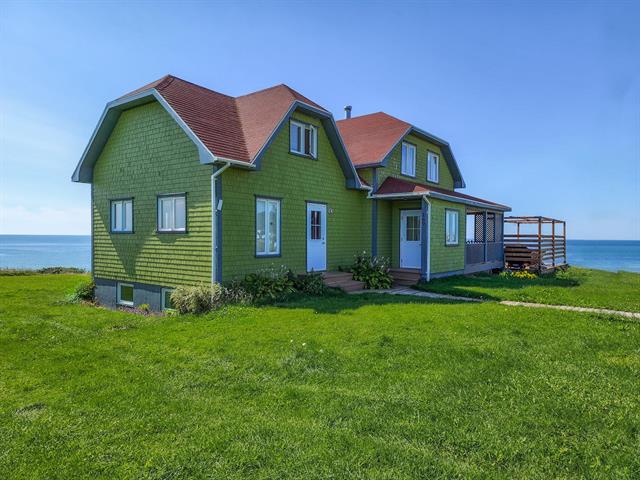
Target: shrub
[
  {"x": 310, "y": 283},
  {"x": 521, "y": 274},
  {"x": 373, "y": 271},
  {"x": 84, "y": 292},
  {"x": 234, "y": 293},
  {"x": 144, "y": 308},
  {"x": 194, "y": 298},
  {"x": 202, "y": 298},
  {"x": 269, "y": 284}
]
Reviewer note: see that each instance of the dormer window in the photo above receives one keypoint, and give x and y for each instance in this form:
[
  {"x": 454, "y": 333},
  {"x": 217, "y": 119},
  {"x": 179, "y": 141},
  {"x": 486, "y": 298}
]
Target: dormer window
[
  {"x": 433, "y": 172},
  {"x": 303, "y": 139},
  {"x": 408, "y": 159}
]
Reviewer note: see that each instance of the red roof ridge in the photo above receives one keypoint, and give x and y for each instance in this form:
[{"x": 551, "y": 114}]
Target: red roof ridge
[
  {"x": 262, "y": 90},
  {"x": 367, "y": 115}
]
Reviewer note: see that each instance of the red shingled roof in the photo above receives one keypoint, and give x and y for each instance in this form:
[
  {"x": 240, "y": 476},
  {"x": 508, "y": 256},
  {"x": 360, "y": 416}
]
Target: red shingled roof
[
  {"x": 369, "y": 138},
  {"x": 394, "y": 185},
  {"x": 230, "y": 127}
]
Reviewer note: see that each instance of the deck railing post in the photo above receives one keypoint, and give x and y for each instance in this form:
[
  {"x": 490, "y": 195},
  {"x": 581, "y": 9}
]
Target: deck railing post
[
  {"x": 553, "y": 244},
  {"x": 484, "y": 234},
  {"x": 539, "y": 244},
  {"x": 564, "y": 240}
]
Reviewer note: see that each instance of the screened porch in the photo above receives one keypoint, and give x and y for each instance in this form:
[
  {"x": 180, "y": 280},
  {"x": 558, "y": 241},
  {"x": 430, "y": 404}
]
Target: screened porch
[{"x": 485, "y": 240}]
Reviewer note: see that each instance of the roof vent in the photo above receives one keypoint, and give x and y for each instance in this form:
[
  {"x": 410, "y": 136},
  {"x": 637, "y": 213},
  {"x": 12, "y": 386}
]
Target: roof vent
[{"x": 347, "y": 111}]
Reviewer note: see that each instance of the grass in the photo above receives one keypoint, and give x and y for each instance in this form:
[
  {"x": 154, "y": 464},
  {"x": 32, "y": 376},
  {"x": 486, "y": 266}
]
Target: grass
[
  {"x": 368, "y": 386},
  {"x": 578, "y": 287}
]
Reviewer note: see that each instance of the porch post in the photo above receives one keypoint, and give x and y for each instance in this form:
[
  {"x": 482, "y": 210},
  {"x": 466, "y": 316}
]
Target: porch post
[
  {"x": 374, "y": 216},
  {"x": 424, "y": 240},
  {"x": 484, "y": 233}
]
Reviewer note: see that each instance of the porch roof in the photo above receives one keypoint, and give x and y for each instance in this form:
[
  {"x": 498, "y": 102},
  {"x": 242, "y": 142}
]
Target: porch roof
[{"x": 400, "y": 189}]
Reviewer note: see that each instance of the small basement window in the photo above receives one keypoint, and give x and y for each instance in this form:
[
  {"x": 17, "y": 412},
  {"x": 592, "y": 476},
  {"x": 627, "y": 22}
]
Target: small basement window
[
  {"x": 303, "y": 139},
  {"x": 433, "y": 167},
  {"x": 125, "y": 294},
  {"x": 122, "y": 216},
  {"x": 408, "y": 166},
  {"x": 167, "y": 304},
  {"x": 172, "y": 213}
]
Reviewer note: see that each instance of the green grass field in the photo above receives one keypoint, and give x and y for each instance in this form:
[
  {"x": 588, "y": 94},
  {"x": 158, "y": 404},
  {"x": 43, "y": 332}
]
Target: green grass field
[
  {"x": 368, "y": 386},
  {"x": 578, "y": 287}
]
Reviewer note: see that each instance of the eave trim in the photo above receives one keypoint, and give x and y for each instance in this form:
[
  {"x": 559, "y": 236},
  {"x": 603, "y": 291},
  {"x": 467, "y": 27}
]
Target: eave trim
[{"x": 83, "y": 172}]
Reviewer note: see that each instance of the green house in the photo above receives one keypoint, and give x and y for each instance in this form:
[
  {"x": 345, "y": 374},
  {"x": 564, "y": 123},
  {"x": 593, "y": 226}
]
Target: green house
[{"x": 189, "y": 185}]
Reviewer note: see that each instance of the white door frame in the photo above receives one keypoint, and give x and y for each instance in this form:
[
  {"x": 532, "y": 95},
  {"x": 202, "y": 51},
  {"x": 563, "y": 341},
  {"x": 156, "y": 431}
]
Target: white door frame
[
  {"x": 413, "y": 257},
  {"x": 317, "y": 247}
]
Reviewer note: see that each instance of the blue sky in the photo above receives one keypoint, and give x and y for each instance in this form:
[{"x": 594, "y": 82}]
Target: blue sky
[{"x": 540, "y": 102}]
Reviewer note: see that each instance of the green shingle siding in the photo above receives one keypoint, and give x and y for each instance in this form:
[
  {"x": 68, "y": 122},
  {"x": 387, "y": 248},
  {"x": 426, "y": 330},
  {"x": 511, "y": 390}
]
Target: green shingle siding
[
  {"x": 146, "y": 155},
  {"x": 394, "y": 165},
  {"x": 446, "y": 258},
  {"x": 296, "y": 180}
]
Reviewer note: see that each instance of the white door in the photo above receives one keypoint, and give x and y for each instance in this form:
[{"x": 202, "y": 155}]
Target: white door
[
  {"x": 410, "y": 241},
  {"x": 316, "y": 237}
]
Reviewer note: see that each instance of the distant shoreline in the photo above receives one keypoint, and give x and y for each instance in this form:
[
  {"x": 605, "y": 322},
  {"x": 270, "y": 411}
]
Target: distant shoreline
[{"x": 41, "y": 251}]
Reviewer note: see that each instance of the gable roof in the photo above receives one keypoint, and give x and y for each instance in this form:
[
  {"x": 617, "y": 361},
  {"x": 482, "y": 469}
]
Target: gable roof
[
  {"x": 399, "y": 188},
  {"x": 224, "y": 128},
  {"x": 371, "y": 138}
]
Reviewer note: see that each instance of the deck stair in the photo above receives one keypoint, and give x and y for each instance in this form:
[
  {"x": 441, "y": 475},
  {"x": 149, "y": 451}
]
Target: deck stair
[
  {"x": 343, "y": 280},
  {"x": 405, "y": 276}
]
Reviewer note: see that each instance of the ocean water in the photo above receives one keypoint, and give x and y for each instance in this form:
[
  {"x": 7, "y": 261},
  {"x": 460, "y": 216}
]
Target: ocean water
[{"x": 37, "y": 251}]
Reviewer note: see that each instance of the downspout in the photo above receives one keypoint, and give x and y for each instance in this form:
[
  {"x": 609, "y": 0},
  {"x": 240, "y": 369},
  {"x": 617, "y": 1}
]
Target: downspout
[
  {"x": 428, "y": 238},
  {"x": 214, "y": 218}
]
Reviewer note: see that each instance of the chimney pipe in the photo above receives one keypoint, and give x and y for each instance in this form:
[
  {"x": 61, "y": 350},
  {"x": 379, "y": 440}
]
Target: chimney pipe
[{"x": 347, "y": 111}]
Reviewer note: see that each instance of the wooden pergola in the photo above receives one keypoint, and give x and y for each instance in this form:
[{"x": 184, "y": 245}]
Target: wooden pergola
[{"x": 537, "y": 244}]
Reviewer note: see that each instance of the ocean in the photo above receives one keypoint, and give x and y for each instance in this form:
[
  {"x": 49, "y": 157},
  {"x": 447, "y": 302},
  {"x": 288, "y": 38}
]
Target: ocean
[{"x": 37, "y": 251}]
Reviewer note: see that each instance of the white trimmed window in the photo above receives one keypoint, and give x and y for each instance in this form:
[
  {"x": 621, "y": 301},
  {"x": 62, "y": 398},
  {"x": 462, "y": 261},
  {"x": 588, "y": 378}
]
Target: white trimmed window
[
  {"x": 267, "y": 226},
  {"x": 167, "y": 304},
  {"x": 433, "y": 168},
  {"x": 172, "y": 213},
  {"x": 451, "y": 227},
  {"x": 408, "y": 159},
  {"x": 122, "y": 216},
  {"x": 303, "y": 139},
  {"x": 124, "y": 294}
]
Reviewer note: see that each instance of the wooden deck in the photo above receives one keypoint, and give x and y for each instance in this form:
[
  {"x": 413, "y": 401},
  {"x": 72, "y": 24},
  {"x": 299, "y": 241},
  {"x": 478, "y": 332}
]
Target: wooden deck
[{"x": 531, "y": 248}]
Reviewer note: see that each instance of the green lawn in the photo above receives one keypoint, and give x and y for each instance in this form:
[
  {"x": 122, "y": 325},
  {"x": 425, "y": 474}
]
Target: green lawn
[
  {"x": 368, "y": 386},
  {"x": 579, "y": 287}
]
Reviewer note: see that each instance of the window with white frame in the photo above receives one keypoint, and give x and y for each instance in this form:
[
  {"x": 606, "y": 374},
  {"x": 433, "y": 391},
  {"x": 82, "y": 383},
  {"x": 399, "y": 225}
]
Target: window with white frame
[
  {"x": 124, "y": 294},
  {"x": 408, "y": 159},
  {"x": 267, "y": 226},
  {"x": 433, "y": 167},
  {"x": 451, "y": 227},
  {"x": 122, "y": 216},
  {"x": 303, "y": 139},
  {"x": 172, "y": 213},
  {"x": 167, "y": 304}
]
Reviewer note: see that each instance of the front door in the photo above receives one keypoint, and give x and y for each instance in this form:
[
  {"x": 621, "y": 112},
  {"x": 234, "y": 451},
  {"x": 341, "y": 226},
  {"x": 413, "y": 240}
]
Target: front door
[
  {"x": 410, "y": 241},
  {"x": 316, "y": 237}
]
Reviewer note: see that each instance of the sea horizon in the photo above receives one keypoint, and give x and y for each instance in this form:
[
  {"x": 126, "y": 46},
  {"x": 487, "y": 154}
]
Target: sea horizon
[{"x": 44, "y": 250}]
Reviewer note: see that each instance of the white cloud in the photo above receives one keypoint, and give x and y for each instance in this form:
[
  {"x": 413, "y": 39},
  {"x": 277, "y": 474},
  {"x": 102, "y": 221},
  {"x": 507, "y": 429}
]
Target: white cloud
[{"x": 45, "y": 220}]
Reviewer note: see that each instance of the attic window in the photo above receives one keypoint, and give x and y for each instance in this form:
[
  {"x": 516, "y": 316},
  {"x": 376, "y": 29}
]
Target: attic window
[{"x": 303, "y": 139}]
